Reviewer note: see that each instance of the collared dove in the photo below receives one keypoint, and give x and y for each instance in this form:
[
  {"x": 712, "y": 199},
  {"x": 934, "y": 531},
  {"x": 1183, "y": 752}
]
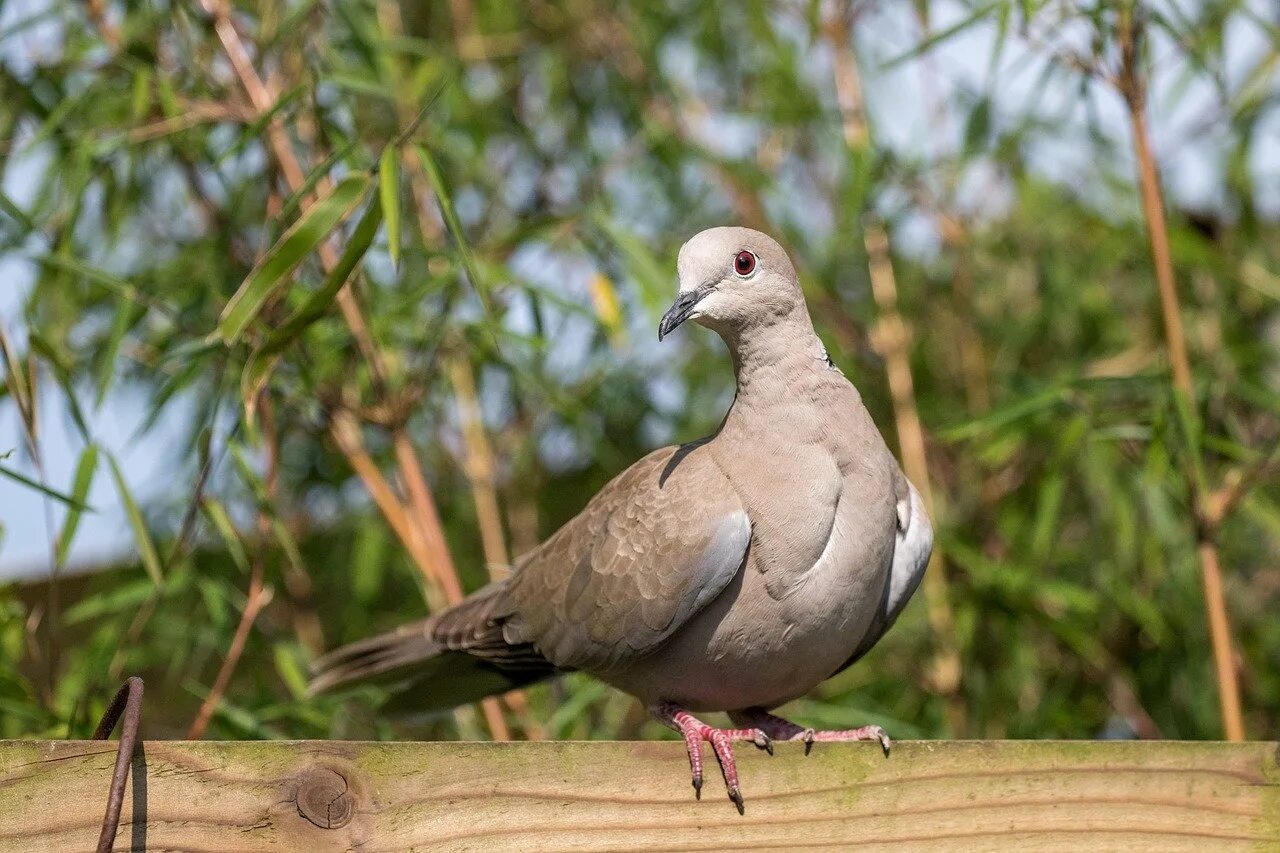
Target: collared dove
[{"x": 733, "y": 573}]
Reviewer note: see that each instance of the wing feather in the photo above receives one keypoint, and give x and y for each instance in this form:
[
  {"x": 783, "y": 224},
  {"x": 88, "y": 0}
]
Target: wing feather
[{"x": 651, "y": 549}]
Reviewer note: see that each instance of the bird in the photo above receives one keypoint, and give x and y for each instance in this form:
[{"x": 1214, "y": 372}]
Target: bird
[{"x": 729, "y": 574}]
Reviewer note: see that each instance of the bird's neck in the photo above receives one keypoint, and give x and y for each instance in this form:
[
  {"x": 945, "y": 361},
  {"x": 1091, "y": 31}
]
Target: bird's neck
[{"x": 773, "y": 358}]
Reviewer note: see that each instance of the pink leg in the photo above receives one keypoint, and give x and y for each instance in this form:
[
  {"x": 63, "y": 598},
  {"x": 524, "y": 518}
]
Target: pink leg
[
  {"x": 780, "y": 729},
  {"x": 695, "y": 732}
]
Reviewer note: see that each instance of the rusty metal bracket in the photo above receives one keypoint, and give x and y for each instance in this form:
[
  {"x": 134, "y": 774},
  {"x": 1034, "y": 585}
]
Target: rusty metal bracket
[{"x": 128, "y": 700}]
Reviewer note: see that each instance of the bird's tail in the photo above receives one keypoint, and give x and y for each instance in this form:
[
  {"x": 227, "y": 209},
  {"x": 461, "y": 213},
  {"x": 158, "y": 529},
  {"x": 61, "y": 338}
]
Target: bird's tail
[{"x": 428, "y": 674}]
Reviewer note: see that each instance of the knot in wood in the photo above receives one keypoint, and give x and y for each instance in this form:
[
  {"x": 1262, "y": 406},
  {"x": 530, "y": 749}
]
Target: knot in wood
[{"x": 325, "y": 798}]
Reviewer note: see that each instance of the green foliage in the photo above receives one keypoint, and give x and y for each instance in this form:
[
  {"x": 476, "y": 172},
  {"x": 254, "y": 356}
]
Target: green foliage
[{"x": 536, "y": 168}]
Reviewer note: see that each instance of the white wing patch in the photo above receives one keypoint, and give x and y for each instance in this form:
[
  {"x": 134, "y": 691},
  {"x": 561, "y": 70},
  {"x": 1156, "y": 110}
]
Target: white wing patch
[{"x": 910, "y": 554}]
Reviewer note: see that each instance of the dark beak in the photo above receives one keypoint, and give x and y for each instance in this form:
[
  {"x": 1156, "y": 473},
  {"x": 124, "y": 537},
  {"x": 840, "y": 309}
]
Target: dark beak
[{"x": 679, "y": 311}]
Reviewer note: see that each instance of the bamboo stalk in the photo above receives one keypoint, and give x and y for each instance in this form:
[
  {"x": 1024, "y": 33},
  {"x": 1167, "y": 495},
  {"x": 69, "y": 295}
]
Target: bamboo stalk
[
  {"x": 892, "y": 338},
  {"x": 487, "y": 513},
  {"x": 423, "y": 514},
  {"x": 481, "y": 470},
  {"x": 346, "y": 435},
  {"x": 1132, "y": 87},
  {"x": 424, "y": 518},
  {"x": 259, "y": 597}
]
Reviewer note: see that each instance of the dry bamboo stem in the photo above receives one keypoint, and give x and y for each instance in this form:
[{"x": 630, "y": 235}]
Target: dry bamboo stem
[
  {"x": 346, "y": 435},
  {"x": 892, "y": 338},
  {"x": 490, "y": 521},
  {"x": 1131, "y": 86},
  {"x": 259, "y": 597},
  {"x": 427, "y": 522},
  {"x": 481, "y": 470},
  {"x": 423, "y": 509},
  {"x": 441, "y": 561}
]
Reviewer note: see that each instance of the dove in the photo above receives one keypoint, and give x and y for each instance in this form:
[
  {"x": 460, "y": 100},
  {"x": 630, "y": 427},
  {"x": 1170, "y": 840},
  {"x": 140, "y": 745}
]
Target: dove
[{"x": 730, "y": 574}]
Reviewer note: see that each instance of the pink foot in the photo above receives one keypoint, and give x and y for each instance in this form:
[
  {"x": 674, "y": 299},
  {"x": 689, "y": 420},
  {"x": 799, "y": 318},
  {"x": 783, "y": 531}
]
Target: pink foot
[
  {"x": 779, "y": 729},
  {"x": 695, "y": 732}
]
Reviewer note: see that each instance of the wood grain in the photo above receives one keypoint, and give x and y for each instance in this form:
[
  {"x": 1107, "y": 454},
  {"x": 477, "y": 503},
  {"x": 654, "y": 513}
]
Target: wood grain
[{"x": 317, "y": 796}]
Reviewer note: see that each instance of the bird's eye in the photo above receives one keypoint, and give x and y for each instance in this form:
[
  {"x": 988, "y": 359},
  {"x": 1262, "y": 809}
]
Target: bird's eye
[{"x": 744, "y": 263}]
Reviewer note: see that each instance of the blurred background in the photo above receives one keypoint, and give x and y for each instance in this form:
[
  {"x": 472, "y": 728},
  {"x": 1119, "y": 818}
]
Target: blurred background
[{"x": 312, "y": 315}]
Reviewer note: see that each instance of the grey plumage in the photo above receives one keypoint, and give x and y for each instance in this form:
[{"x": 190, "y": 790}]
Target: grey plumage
[{"x": 730, "y": 573}]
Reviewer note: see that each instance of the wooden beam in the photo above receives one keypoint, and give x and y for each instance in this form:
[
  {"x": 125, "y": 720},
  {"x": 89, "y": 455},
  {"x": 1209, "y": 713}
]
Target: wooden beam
[{"x": 317, "y": 796}]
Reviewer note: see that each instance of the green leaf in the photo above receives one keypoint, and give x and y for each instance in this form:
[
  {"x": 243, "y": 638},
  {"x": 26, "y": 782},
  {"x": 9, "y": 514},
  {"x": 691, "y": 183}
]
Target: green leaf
[
  {"x": 109, "y": 602},
  {"x": 115, "y": 284},
  {"x": 1192, "y": 434},
  {"x": 260, "y": 364},
  {"x": 10, "y": 209},
  {"x": 1005, "y": 415},
  {"x": 641, "y": 265},
  {"x": 389, "y": 196},
  {"x": 453, "y": 225},
  {"x": 68, "y": 500},
  {"x": 978, "y": 127},
  {"x": 299, "y": 195},
  {"x": 292, "y": 671},
  {"x": 368, "y": 561},
  {"x": 80, "y": 485},
  {"x": 221, "y": 521},
  {"x": 62, "y": 372},
  {"x": 295, "y": 244},
  {"x": 127, "y": 314},
  {"x": 937, "y": 38},
  {"x": 287, "y": 543},
  {"x": 142, "y": 538}
]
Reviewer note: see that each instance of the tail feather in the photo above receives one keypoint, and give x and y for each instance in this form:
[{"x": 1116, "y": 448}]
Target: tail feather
[
  {"x": 455, "y": 657},
  {"x": 370, "y": 658}
]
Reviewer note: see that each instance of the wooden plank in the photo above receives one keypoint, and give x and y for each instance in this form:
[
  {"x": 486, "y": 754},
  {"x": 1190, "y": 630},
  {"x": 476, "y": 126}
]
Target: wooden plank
[{"x": 1002, "y": 795}]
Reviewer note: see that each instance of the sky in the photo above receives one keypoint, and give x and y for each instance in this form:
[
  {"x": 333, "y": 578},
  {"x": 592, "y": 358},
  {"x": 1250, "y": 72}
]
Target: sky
[{"x": 1190, "y": 161}]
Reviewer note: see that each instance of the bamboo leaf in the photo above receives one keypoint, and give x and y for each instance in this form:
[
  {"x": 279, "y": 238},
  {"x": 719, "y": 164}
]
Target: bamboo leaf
[
  {"x": 295, "y": 244},
  {"x": 80, "y": 485},
  {"x": 10, "y": 209},
  {"x": 943, "y": 35},
  {"x": 127, "y": 314},
  {"x": 1192, "y": 433},
  {"x": 453, "y": 225},
  {"x": 298, "y": 196},
  {"x": 115, "y": 284},
  {"x": 63, "y": 368},
  {"x": 292, "y": 670},
  {"x": 368, "y": 561},
  {"x": 68, "y": 500},
  {"x": 997, "y": 418},
  {"x": 263, "y": 360},
  {"x": 655, "y": 282},
  {"x": 389, "y": 196},
  {"x": 221, "y": 521},
  {"x": 142, "y": 538}
]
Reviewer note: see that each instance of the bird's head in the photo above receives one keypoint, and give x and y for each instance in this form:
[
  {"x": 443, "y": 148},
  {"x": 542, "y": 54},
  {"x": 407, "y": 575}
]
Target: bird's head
[{"x": 732, "y": 279}]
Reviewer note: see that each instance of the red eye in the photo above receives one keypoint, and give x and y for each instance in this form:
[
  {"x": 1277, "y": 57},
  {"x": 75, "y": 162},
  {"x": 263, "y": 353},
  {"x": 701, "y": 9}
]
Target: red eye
[{"x": 744, "y": 263}]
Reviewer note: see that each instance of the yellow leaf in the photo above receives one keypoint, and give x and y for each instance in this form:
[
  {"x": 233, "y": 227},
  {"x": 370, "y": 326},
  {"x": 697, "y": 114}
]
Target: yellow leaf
[{"x": 604, "y": 298}]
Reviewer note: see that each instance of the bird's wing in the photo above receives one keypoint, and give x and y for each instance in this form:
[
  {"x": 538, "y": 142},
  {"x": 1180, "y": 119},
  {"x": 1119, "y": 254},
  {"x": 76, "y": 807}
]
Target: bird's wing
[
  {"x": 654, "y": 547},
  {"x": 912, "y": 546}
]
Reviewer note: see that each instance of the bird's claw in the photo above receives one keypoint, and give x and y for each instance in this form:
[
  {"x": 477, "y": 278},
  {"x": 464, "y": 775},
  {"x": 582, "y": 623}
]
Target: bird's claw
[
  {"x": 695, "y": 733},
  {"x": 736, "y": 796},
  {"x": 763, "y": 741},
  {"x": 885, "y": 743}
]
